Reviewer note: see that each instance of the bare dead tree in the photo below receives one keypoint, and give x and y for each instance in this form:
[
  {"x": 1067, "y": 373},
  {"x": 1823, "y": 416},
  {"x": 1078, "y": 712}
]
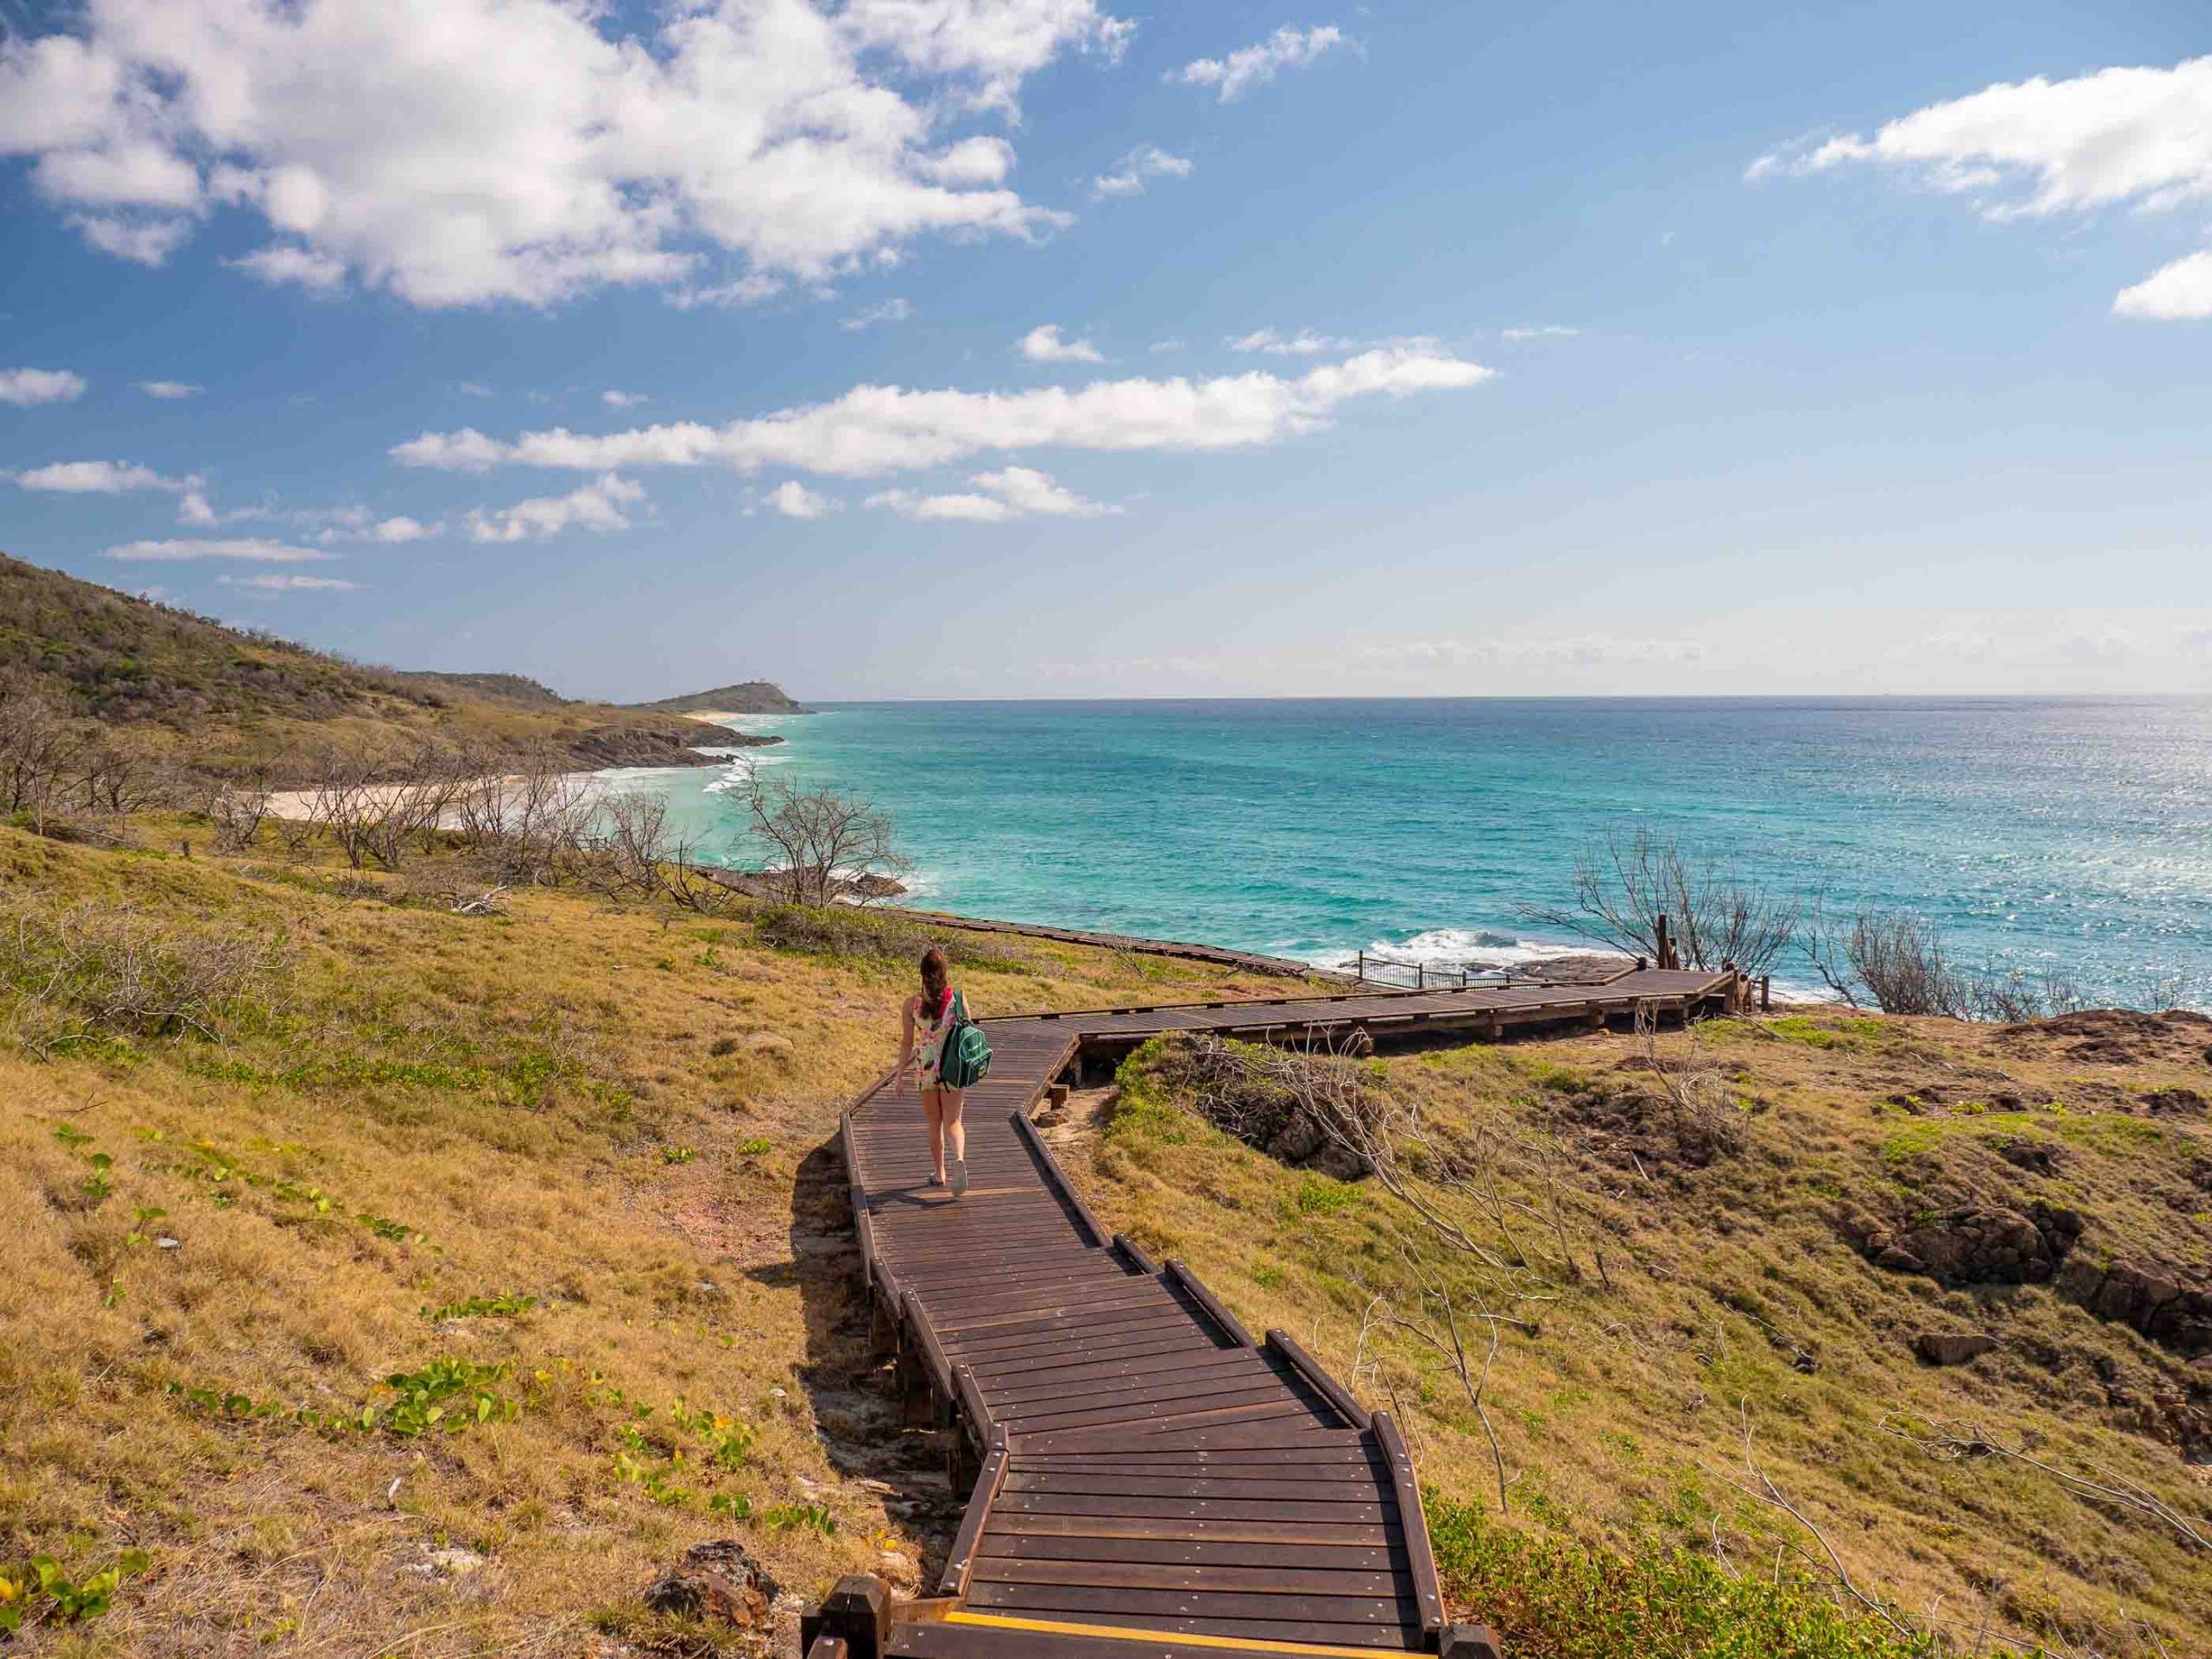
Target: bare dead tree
[
  {"x": 118, "y": 773},
  {"x": 830, "y": 846},
  {"x": 41, "y": 748},
  {"x": 1758, "y": 1485},
  {"x": 2098, "y": 1486},
  {"x": 1704, "y": 1119},
  {"x": 530, "y": 825},
  {"x": 642, "y": 854},
  {"x": 1434, "y": 1319},
  {"x": 1896, "y": 960},
  {"x": 239, "y": 807},
  {"x": 1481, "y": 1194},
  {"x": 1625, "y": 881}
]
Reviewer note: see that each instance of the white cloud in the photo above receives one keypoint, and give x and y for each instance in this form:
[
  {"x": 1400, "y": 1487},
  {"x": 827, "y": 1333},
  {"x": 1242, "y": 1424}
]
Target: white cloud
[
  {"x": 1546, "y": 331},
  {"x": 142, "y": 241},
  {"x": 1145, "y": 162},
  {"x": 281, "y": 263},
  {"x": 24, "y": 387},
  {"x": 2177, "y": 292},
  {"x": 1011, "y": 492},
  {"x": 460, "y": 151},
  {"x": 1304, "y": 343},
  {"x": 875, "y": 429},
  {"x": 911, "y": 504},
  {"x": 752, "y": 288},
  {"x": 614, "y": 399},
  {"x": 597, "y": 505},
  {"x": 170, "y": 390},
  {"x": 892, "y": 310},
  {"x": 253, "y": 550},
  {"x": 290, "y": 584},
  {"x": 794, "y": 501},
  {"x": 1043, "y": 344},
  {"x": 994, "y": 43},
  {"x": 1028, "y": 491},
  {"x": 193, "y": 508},
  {"x": 1257, "y": 65},
  {"x": 99, "y": 478},
  {"x": 2036, "y": 149},
  {"x": 395, "y": 531},
  {"x": 474, "y": 388}
]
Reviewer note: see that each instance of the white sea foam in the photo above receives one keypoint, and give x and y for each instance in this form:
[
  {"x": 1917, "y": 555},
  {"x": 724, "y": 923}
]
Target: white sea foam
[{"x": 1460, "y": 947}]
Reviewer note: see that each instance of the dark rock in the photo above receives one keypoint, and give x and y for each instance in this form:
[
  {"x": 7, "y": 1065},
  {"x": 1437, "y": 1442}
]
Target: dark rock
[
  {"x": 2174, "y": 1102},
  {"x": 1976, "y": 1244},
  {"x": 1951, "y": 1347},
  {"x": 2036, "y": 1157},
  {"x": 717, "y": 1579},
  {"x": 2149, "y": 1298}
]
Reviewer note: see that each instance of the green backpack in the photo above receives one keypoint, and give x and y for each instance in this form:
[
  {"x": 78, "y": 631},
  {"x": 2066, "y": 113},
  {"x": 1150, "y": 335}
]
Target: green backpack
[{"x": 964, "y": 1058}]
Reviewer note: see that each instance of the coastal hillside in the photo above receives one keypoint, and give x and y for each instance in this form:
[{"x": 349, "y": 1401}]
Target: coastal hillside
[
  {"x": 227, "y": 697},
  {"x": 410, "y": 1252},
  {"x": 752, "y": 697},
  {"x": 376, "y": 1270},
  {"x": 1913, "y": 1318}
]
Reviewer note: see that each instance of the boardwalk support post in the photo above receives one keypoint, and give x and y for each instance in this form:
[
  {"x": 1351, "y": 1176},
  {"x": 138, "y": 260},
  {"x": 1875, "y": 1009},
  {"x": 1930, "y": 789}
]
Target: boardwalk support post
[
  {"x": 1470, "y": 1641},
  {"x": 857, "y": 1613}
]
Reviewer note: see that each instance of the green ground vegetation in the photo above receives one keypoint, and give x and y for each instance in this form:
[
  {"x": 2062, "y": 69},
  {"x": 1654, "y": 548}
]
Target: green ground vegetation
[
  {"x": 383, "y": 1279},
  {"x": 1704, "y": 1429}
]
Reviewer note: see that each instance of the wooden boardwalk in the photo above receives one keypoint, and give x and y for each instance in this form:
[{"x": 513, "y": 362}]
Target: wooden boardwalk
[{"x": 1148, "y": 1482}]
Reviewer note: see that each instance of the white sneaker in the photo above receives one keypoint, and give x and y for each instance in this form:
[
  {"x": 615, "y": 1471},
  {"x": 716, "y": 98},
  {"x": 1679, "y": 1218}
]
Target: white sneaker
[{"x": 960, "y": 1178}]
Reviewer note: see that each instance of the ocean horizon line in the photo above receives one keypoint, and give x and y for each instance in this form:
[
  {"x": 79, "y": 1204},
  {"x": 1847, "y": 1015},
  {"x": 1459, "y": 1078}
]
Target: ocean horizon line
[{"x": 1638, "y": 699}]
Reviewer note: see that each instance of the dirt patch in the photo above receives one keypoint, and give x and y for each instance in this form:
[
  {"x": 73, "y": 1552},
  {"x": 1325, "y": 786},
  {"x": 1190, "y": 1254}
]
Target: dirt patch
[
  {"x": 1646, "y": 1114},
  {"x": 2117, "y": 1036},
  {"x": 1290, "y": 1105}
]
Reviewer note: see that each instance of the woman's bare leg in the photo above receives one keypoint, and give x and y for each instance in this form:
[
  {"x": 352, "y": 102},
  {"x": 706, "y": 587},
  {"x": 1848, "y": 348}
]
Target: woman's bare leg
[
  {"x": 933, "y": 1114},
  {"x": 950, "y": 1103}
]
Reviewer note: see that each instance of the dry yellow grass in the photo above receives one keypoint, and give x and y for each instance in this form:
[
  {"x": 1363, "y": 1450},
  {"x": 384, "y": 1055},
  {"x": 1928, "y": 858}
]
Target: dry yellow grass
[
  {"x": 625, "y": 1114},
  {"x": 1730, "y": 1302}
]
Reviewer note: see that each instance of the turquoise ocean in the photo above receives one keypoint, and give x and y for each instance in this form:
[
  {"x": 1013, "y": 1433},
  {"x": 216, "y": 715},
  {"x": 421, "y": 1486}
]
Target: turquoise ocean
[{"x": 2073, "y": 835}]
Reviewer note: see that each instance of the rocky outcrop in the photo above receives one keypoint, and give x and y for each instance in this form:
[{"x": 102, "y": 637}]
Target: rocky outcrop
[
  {"x": 1951, "y": 1347},
  {"x": 716, "y": 1580},
  {"x": 1974, "y": 1244},
  {"x": 640, "y": 744},
  {"x": 2156, "y": 1300}
]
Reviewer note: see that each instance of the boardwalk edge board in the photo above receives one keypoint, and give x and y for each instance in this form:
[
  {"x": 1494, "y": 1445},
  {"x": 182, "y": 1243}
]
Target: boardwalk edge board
[{"x": 1145, "y": 1481}]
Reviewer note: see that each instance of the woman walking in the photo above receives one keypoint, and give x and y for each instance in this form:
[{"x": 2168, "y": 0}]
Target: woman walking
[{"x": 932, "y": 1018}]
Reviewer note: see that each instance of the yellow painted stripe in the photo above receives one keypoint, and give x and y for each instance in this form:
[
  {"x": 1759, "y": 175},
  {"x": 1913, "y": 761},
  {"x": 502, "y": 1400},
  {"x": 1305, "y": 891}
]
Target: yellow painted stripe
[{"x": 1178, "y": 1638}]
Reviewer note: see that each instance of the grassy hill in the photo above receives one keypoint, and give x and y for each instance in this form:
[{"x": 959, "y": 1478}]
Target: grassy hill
[
  {"x": 753, "y": 697},
  {"x": 225, "y": 696},
  {"x": 567, "y": 1168},
  {"x": 1710, "y": 1263}
]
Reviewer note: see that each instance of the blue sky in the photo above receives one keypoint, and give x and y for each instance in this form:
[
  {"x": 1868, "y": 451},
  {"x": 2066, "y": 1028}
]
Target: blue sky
[{"x": 1238, "y": 349}]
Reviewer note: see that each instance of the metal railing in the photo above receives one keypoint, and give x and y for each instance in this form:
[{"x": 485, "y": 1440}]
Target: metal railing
[{"x": 1416, "y": 975}]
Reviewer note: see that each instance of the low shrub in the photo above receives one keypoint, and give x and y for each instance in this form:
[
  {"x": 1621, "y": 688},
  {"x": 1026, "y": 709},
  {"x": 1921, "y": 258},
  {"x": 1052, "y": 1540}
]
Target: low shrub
[
  {"x": 1553, "y": 1598},
  {"x": 91, "y": 969},
  {"x": 848, "y": 931}
]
